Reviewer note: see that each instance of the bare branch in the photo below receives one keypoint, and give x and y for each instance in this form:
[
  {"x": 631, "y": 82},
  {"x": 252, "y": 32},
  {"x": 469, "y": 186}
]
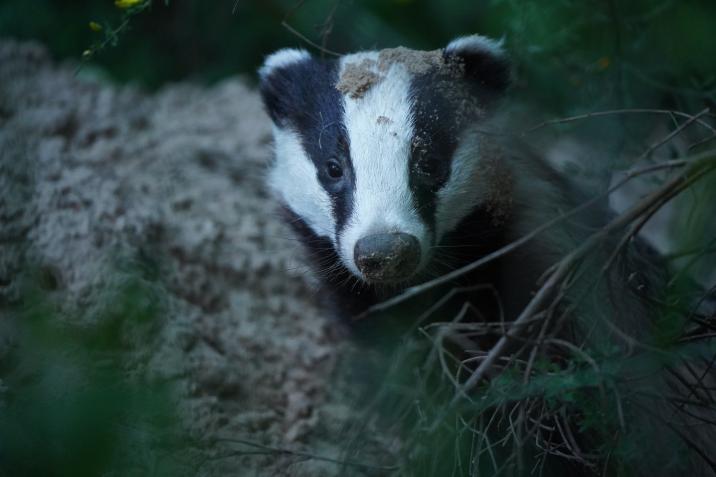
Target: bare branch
[
  {"x": 614, "y": 112},
  {"x": 681, "y": 180},
  {"x": 307, "y": 40},
  {"x": 265, "y": 449}
]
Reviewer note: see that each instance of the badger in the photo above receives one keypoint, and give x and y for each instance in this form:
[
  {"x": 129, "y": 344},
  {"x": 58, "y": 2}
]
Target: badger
[
  {"x": 386, "y": 168},
  {"x": 382, "y": 170}
]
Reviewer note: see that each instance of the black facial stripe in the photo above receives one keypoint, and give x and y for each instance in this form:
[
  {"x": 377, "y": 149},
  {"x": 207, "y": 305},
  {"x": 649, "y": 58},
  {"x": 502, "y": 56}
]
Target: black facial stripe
[
  {"x": 320, "y": 248},
  {"x": 436, "y": 130},
  {"x": 303, "y": 97},
  {"x": 333, "y": 146}
]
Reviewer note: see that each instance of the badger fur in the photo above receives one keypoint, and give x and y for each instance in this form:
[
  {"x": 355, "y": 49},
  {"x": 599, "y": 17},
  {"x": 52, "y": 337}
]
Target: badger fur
[
  {"x": 381, "y": 167},
  {"x": 384, "y": 170}
]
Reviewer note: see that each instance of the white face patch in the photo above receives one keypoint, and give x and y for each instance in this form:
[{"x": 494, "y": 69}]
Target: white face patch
[
  {"x": 293, "y": 179},
  {"x": 379, "y": 125},
  {"x": 459, "y": 196}
]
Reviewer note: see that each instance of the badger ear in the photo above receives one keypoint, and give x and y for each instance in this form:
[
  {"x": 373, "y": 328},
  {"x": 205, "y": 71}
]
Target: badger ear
[
  {"x": 482, "y": 60},
  {"x": 278, "y": 76},
  {"x": 282, "y": 59}
]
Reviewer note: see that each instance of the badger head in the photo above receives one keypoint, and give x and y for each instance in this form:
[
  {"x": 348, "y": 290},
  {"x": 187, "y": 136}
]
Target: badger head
[{"x": 376, "y": 152}]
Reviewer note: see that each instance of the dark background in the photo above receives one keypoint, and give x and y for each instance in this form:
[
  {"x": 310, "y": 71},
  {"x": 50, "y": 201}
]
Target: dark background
[{"x": 569, "y": 55}]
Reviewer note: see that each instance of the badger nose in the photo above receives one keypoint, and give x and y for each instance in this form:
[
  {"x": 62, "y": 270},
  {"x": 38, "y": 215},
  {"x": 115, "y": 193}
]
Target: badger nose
[{"x": 387, "y": 257}]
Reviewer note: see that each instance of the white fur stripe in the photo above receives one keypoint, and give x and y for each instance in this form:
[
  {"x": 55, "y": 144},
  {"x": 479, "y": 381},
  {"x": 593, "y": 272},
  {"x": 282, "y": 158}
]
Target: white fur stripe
[
  {"x": 379, "y": 124},
  {"x": 293, "y": 179},
  {"x": 460, "y": 195}
]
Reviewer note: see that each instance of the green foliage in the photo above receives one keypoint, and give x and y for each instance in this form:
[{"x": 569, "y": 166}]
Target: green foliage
[
  {"x": 570, "y": 55},
  {"x": 70, "y": 404}
]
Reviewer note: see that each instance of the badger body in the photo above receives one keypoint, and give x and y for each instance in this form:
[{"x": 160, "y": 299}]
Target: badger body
[{"x": 383, "y": 169}]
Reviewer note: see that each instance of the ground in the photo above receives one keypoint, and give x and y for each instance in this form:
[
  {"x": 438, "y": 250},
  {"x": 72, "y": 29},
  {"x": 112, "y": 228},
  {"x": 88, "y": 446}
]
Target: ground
[{"x": 98, "y": 180}]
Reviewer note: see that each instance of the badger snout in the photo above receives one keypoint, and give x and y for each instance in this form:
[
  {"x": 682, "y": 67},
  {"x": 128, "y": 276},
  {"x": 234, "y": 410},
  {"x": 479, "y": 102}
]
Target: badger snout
[{"x": 387, "y": 257}]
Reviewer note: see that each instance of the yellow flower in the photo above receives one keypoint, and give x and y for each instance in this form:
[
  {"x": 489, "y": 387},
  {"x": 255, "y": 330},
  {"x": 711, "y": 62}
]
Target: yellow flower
[
  {"x": 603, "y": 63},
  {"x": 127, "y": 3},
  {"x": 94, "y": 26}
]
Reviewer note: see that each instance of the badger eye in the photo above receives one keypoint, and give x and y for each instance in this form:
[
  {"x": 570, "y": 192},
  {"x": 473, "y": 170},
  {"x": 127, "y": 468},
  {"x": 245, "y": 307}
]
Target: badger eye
[{"x": 334, "y": 169}]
